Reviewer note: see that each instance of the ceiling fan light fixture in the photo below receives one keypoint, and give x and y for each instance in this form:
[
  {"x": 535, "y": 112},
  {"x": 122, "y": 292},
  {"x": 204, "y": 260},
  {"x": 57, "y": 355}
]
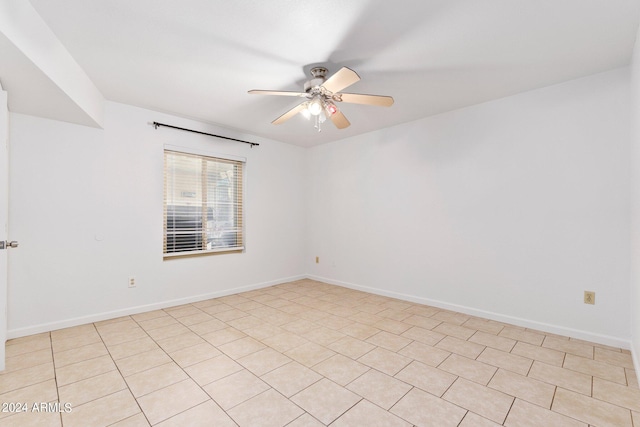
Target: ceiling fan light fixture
[
  {"x": 315, "y": 107},
  {"x": 305, "y": 112},
  {"x": 331, "y": 108}
]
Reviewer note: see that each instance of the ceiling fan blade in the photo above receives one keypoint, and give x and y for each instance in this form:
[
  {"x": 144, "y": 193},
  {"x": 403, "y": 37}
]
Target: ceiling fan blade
[
  {"x": 343, "y": 78},
  {"x": 339, "y": 120},
  {"x": 357, "y": 98},
  {"x": 276, "y": 92},
  {"x": 292, "y": 112}
]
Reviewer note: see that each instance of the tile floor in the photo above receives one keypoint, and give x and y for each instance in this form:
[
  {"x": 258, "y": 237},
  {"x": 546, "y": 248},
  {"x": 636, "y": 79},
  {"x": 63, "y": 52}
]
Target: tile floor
[{"x": 310, "y": 354}]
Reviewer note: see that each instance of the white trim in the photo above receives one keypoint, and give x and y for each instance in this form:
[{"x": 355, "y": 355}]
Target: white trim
[
  {"x": 636, "y": 361},
  {"x": 518, "y": 321},
  {"x": 230, "y": 249},
  {"x": 201, "y": 152},
  {"x": 76, "y": 321}
]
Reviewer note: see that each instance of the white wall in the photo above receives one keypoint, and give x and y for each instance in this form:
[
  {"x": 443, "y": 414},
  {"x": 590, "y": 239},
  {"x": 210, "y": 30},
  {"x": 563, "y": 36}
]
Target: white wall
[
  {"x": 86, "y": 205},
  {"x": 508, "y": 209}
]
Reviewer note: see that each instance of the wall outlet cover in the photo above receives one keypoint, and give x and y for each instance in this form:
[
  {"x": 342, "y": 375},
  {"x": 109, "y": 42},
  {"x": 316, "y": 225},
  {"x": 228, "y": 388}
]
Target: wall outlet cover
[{"x": 589, "y": 297}]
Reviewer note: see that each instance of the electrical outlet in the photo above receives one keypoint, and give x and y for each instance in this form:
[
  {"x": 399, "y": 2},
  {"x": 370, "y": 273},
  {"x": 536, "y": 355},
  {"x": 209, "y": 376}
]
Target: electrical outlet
[
  {"x": 317, "y": 260},
  {"x": 132, "y": 281},
  {"x": 589, "y": 297}
]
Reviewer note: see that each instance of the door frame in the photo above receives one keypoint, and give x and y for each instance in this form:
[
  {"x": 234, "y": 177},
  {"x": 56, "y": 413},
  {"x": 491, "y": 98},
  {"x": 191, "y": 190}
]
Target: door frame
[{"x": 4, "y": 220}]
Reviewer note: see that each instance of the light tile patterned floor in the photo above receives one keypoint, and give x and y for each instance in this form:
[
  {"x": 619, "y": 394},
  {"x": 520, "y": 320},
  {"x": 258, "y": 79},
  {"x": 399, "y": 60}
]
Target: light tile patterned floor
[{"x": 310, "y": 354}]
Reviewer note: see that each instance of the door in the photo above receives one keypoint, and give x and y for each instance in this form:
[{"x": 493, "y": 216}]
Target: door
[{"x": 4, "y": 219}]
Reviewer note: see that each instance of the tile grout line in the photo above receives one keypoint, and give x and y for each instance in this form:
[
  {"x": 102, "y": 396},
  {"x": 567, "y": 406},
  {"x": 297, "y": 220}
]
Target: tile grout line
[
  {"x": 55, "y": 376},
  {"x": 506, "y": 416}
]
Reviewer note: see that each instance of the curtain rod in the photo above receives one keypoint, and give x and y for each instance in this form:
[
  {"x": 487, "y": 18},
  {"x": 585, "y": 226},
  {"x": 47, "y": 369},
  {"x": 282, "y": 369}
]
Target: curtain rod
[{"x": 156, "y": 124}]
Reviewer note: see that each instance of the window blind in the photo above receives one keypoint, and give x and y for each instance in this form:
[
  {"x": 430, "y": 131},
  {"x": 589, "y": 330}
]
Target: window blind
[{"x": 203, "y": 204}]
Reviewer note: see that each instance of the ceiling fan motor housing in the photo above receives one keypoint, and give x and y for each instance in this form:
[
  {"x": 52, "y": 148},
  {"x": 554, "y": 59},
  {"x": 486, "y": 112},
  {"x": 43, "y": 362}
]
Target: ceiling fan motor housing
[
  {"x": 319, "y": 72},
  {"x": 313, "y": 85},
  {"x": 318, "y": 79}
]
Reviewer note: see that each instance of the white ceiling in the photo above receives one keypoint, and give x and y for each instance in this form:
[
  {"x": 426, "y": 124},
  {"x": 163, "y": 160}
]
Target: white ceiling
[{"x": 198, "y": 58}]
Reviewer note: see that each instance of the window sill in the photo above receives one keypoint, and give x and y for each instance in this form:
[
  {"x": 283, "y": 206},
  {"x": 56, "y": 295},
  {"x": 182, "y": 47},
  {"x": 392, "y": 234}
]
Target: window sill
[{"x": 193, "y": 254}]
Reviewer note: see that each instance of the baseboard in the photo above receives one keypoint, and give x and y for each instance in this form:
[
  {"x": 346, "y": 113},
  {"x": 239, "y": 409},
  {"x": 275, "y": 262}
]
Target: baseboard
[
  {"x": 636, "y": 361},
  {"x": 518, "y": 321},
  {"x": 526, "y": 323},
  {"x": 67, "y": 323}
]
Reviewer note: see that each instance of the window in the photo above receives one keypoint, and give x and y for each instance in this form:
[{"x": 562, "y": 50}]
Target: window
[{"x": 203, "y": 200}]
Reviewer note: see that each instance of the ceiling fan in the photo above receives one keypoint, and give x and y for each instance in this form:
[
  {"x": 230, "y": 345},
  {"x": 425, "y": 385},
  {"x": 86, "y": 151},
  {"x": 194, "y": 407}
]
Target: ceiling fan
[{"x": 322, "y": 94}]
